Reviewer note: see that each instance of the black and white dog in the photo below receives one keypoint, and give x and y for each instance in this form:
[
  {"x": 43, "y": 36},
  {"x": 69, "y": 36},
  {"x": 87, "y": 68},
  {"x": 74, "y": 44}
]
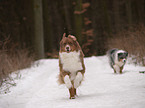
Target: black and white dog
[{"x": 117, "y": 59}]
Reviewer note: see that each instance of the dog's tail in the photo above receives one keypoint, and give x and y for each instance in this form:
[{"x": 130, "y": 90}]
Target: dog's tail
[
  {"x": 111, "y": 51},
  {"x": 111, "y": 56},
  {"x": 60, "y": 80}
]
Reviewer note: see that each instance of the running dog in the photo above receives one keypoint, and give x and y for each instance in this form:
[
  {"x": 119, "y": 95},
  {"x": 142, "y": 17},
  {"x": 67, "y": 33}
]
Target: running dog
[
  {"x": 117, "y": 59},
  {"x": 71, "y": 64}
]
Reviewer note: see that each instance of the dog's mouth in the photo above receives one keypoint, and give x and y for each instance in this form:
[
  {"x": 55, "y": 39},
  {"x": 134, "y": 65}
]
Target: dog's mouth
[
  {"x": 123, "y": 60},
  {"x": 67, "y": 49}
]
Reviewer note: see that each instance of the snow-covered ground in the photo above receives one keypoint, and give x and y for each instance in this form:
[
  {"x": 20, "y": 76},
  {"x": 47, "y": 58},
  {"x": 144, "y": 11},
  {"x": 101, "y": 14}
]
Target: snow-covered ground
[{"x": 101, "y": 88}]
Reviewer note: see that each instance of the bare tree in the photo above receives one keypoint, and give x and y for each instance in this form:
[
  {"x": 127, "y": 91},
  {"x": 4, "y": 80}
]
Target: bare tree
[
  {"x": 116, "y": 15},
  {"x": 38, "y": 29},
  {"x": 78, "y": 20},
  {"x": 129, "y": 12}
]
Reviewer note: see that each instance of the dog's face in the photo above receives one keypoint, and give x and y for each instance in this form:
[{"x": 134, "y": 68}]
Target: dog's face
[
  {"x": 68, "y": 44},
  {"x": 122, "y": 57}
]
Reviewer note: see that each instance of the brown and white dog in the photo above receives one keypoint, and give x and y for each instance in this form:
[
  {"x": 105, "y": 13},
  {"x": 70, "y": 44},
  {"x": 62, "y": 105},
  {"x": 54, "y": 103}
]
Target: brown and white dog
[{"x": 71, "y": 64}]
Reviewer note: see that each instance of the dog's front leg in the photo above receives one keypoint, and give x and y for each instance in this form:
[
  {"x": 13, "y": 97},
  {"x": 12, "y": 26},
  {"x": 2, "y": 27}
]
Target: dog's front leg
[
  {"x": 121, "y": 68},
  {"x": 72, "y": 92},
  {"x": 67, "y": 81},
  {"x": 70, "y": 86},
  {"x": 116, "y": 68},
  {"x": 78, "y": 79}
]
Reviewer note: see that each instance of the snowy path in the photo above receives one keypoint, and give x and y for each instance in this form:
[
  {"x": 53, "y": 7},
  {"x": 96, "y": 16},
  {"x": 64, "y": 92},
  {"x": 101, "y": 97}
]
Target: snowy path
[{"x": 101, "y": 88}]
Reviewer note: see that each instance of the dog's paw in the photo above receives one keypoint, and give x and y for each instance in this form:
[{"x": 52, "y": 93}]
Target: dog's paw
[{"x": 72, "y": 97}]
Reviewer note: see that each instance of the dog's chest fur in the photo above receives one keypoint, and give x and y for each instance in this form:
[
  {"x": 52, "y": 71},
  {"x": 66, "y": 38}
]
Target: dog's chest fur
[{"x": 71, "y": 61}]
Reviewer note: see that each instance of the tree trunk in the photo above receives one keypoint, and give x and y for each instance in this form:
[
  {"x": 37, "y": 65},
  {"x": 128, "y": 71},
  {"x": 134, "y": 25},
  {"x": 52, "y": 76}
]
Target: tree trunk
[
  {"x": 140, "y": 7},
  {"x": 57, "y": 25},
  {"x": 78, "y": 20},
  {"x": 129, "y": 12},
  {"x": 67, "y": 15},
  {"x": 38, "y": 29},
  {"x": 116, "y": 15},
  {"x": 106, "y": 16},
  {"x": 100, "y": 24},
  {"x": 48, "y": 37}
]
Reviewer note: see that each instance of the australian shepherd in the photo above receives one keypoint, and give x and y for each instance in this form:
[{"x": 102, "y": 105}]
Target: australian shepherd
[
  {"x": 71, "y": 64},
  {"x": 117, "y": 59}
]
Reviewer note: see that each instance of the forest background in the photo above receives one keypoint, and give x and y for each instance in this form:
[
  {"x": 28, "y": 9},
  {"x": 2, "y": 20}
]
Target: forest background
[{"x": 39, "y": 24}]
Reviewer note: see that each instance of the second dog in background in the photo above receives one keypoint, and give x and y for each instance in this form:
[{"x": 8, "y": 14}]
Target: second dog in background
[{"x": 117, "y": 59}]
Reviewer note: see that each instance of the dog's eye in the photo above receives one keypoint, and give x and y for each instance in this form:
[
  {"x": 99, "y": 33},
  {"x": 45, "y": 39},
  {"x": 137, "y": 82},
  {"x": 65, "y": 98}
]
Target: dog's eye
[
  {"x": 70, "y": 44},
  {"x": 64, "y": 44}
]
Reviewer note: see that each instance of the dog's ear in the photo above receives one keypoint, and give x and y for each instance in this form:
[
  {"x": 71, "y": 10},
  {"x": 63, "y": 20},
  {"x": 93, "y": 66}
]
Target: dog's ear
[
  {"x": 73, "y": 37},
  {"x": 78, "y": 45},
  {"x": 64, "y": 35},
  {"x": 120, "y": 54},
  {"x": 126, "y": 54}
]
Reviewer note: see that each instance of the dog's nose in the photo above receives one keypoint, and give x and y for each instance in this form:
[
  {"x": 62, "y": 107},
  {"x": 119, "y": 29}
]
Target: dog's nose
[
  {"x": 67, "y": 48},
  {"x": 124, "y": 60}
]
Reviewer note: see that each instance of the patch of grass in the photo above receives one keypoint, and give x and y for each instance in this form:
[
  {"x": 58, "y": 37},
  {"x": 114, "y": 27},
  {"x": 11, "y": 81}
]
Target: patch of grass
[{"x": 12, "y": 59}]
